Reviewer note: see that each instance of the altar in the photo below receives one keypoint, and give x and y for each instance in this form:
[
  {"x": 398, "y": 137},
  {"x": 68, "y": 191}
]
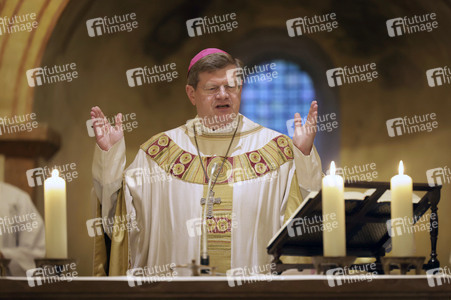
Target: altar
[{"x": 278, "y": 287}]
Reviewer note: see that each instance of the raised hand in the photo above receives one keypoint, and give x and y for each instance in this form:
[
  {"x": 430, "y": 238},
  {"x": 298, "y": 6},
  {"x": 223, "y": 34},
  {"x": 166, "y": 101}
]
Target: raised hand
[
  {"x": 304, "y": 135},
  {"x": 106, "y": 135}
]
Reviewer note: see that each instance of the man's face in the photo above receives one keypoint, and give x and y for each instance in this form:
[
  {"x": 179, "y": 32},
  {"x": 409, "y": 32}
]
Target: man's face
[{"x": 214, "y": 97}]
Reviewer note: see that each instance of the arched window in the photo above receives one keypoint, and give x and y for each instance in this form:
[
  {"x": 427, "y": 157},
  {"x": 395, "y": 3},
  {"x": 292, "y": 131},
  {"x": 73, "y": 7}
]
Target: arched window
[{"x": 272, "y": 100}]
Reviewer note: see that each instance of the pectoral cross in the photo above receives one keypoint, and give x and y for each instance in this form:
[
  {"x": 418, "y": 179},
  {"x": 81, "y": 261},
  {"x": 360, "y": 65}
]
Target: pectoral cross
[{"x": 211, "y": 200}]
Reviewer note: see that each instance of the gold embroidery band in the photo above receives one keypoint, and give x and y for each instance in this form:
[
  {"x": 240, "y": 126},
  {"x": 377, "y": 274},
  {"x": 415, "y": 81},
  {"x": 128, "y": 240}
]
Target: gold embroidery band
[{"x": 186, "y": 166}]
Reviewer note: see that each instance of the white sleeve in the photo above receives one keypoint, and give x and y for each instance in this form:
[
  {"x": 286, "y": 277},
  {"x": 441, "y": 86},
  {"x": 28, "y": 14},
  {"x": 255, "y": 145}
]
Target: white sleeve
[
  {"x": 138, "y": 188},
  {"x": 107, "y": 169},
  {"x": 30, "y": 243},
  {"x": 109, "y": 176},
  {"x": 308, "y": 169}
]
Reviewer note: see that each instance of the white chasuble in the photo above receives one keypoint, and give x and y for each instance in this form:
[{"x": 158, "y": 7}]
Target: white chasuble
[{"x": 259, "y": 183}]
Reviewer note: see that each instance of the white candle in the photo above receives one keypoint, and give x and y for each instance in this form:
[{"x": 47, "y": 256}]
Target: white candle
[
  {"x": 333, "y": 204},
  {"x": 402, "y": 236},
  {"x": 55, "y": 216}
]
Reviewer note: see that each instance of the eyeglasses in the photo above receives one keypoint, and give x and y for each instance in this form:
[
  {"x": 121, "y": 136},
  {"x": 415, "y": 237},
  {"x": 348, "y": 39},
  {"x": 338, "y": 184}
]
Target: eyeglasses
[{"x": 214, "y": 89}]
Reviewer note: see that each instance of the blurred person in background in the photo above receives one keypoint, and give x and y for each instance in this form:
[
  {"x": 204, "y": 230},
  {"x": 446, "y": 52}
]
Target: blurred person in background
[{"x": 22, "y": 235}]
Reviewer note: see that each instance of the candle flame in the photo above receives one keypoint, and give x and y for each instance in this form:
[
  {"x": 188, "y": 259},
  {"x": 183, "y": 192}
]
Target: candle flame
[
  {"x": 332, "y": 168},
  {"x": 401, "y": 168},
  {"x": 55, "y": 173}
]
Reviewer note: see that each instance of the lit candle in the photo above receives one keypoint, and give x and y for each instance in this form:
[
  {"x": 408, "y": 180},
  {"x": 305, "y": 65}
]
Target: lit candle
[
  {"x": 402, "y": 237},
  {"x": 333, "y": 204},
  {"x": 55, "y": 216}
]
